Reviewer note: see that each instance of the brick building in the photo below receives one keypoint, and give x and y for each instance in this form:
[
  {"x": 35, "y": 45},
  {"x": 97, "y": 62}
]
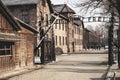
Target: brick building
[
  {"x": 78, "y": 34},
  {"x": 90, "y": 40},
  {"x": 68, "y": 33},
  {"x": 86, "y": 41},
  {"x": 60, "y": 35},
  {"x": 36, "y": 13},
  {"x": 16, "y": 44}
]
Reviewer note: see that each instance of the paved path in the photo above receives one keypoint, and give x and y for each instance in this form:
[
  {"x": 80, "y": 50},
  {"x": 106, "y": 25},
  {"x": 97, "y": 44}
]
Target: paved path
[{"x": 70, "y": 67}]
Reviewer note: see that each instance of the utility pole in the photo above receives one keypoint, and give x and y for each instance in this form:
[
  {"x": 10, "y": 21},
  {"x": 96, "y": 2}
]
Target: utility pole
[{"x": 42, "y": 47}]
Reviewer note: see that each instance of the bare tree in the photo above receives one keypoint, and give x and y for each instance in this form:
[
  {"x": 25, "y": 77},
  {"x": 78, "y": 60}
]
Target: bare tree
[{"x": 109, "y": 6}]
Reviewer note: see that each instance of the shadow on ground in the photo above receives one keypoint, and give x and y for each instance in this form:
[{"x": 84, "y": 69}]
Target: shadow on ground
[
  {"x": 117, "y": 78},
  {"x": 80, "y": 63},
  {"x": 76, "y": 70},
  {"x": 96, "y": 79},
  {"x": 3, "y": 79},
  {"x": 80, "y": 70}
]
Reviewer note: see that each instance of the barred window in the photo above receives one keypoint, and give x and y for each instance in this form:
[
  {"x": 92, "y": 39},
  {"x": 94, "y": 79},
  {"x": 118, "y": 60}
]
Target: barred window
[
  {"x": 66, "y": 40},
  {"x": 6, "y": 48},
  {"x": 59, "y": 40},
  {"x": 63, "y": 40},
  {"x": 62, "y": 25},
  {"x": 56, "y": 39},
  {"x": 59, "y": 24}
]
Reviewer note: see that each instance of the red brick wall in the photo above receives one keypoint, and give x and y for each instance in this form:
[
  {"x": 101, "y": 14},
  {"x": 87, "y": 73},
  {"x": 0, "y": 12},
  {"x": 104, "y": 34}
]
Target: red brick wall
[{"x": 17, "y": 12}]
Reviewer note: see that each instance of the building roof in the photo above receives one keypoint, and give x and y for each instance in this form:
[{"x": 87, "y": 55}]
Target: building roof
[
  {"x": 78, "y": 22},
  {"x": 19, "y": 2},
  {"x": 9, "y": 37},
  {"x": 61, "y": 16},
  {"x": 64, "y": 7},
  {"x": 7, "y": 14},
  {"x": 26, "y": 26},
  {"x": 16, "y": 23},
  {"x": 26, "y": 2},
  {"x": 87, "y": 30}
]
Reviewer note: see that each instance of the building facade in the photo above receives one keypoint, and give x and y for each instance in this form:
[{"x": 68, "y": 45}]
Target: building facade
[
  {"x": 78, "y": 34},
  {"x": 36, "y": 13},
  {"x": 60, "y": 36},
  {"x": 86, "y": 40},
  {"x": 16, "y": 44},
  {"x": 90, "y": 40},
  {"x": 69, "y": 33}
]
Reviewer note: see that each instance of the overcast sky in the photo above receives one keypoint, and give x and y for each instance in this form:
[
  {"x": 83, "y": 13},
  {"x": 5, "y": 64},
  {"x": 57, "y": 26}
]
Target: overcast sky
[{"x": 71, "y": 3}]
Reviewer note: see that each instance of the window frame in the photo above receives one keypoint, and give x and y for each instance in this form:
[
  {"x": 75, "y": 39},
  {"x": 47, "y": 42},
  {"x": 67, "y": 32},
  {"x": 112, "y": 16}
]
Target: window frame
[{"x": 7, "y": 46}]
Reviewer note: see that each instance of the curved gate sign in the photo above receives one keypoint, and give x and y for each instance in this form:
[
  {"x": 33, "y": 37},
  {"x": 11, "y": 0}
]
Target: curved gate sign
[{"x": 95, "y": 19}]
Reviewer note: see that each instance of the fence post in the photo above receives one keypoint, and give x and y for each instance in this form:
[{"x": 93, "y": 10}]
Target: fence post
[
  {"x": 110, "y": 41},
  {"x": 42, "y": 47}
]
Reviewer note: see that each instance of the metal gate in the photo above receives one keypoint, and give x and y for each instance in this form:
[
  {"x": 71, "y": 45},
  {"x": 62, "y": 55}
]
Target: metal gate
[
  {"x": 44, "y": 54},
  {"x": 47, "y": 51}
]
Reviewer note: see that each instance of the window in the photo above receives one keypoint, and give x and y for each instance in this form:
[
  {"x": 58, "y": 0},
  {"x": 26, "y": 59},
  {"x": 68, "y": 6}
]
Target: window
[
  {"x": 62, "y": 25},
  {"x": 41, "y": 17},
  {"x": 6, "y": 48},
  {"x": 66, "y": 25},
  {"x": 63, "y": 40},
  {"x": 78, "y": 30},
  {"x": 65, "y": 28},
  {"x": 66, "y": 40},
  {"x": 56, "y": 39},
  {"x": 59, "y": 24},
  {"x": 59, "y": 40}
]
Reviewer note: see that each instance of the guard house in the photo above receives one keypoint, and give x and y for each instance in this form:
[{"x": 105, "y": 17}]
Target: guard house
[{"x": 16, "y": 41}]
